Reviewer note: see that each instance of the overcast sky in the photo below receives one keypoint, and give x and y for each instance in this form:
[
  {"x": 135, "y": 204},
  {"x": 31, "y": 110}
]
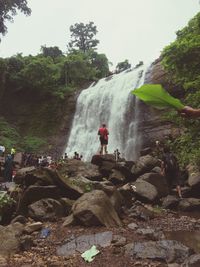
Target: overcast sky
[{"x": 129, "y": 29}]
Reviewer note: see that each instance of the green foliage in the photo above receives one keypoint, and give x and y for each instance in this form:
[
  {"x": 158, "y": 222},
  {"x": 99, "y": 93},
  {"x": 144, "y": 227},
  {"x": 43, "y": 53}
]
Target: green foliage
[
  {"x": 124, "y": 65},
  {"x": 182, "y": 57},
  {"x": 155, "y": 95},
  {"x": 8, "y": 135},
  {"x": 100, "y": 63},
  {"x": 34, "y": 91},
  {"x": 83, "y": 36},
  {"x": 5, "y": 202},
  {"x": 53, "y": 52},
  {"x": 8, "y": 9},
  {"x": 78, "y": 69},
  {"x": 33, "y": 143},
  {"x": 182, "y": 60}
]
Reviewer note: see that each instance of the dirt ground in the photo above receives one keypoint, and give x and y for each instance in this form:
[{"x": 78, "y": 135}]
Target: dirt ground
[{"x": 43, "y": 253}]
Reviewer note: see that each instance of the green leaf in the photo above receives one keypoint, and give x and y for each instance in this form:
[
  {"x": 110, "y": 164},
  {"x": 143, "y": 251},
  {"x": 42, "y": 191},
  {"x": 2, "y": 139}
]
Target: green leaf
[{"x": 155, "y": 95}]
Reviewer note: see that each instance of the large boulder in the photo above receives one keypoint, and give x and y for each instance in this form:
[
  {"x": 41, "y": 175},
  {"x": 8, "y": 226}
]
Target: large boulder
[
  {"x": 70, "y": 187},
  {"x": 21, "y": 173},
  {"x": 189, "y": 204},
  {"x": 116, "y": 177},
  {"x": 145, "y": 191},
  {"x": 164, "y": 250},
  {"x": 158, "y": 181},
  {"x": 10, "y": 238},
  {"x": 95, "y": 208},
  {"x": 74, "y": 168},
  {"x": 98, "y": 159},
  {"x": 194, "y": 180},
  {"x": 144, "y": 164},
  {"x": 46, "y": 209},
  {"x": 128, "y": 194},
  {"x": 124, "y": 167},
  {"x": 192, "y": 261},
  {"x": 170, "y": 202},
  {"x": 34, "y": 193},
  {"x": 106, "y": 168}
]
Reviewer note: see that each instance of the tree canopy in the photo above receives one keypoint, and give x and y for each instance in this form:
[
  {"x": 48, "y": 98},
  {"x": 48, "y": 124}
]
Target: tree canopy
[
  {"x": 83, "y": 36},
  {"x": 124, "y": 65},
  {"x": 182, "y": 61},
  {"x": 8, "y": 9},
  {"x": 52, "y": 52}
]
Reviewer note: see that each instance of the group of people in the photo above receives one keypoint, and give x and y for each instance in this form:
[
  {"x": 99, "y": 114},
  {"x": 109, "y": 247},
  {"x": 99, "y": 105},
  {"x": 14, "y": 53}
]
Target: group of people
[{"x": 77, "y": 156}]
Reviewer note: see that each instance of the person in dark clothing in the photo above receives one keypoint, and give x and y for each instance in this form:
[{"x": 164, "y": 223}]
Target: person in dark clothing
[
  {"x": 8, "y": 168},
  {"x": 170, "y": 169},
  {"x": 103, "y": 138}
]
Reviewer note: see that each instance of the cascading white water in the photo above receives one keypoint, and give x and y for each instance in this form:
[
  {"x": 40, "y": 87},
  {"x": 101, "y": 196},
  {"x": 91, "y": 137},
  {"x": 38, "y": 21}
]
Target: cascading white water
[{"x": 109, "y": 101}]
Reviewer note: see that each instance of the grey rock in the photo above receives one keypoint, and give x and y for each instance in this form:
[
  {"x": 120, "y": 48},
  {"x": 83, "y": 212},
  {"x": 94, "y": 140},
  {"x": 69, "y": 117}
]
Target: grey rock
[
  {"x": 34, "y": 193},
  {"x": 26, "y": 242},
  {"x": 69, "y": 220},
  {"x": 189, "y": 204},
  {"x": 165, "y": 250},
  {"x": 67, "y": 204},
  {"x": 46, "y": 209},
  {"x": 30, "y": 228},
  {"x": 150, "y": 234},
  {"x": 118, "y": 241},
  {"x": 158, "y": 181},
  {"x": 21, "y": 219},
  {"x": 170, "y": 202},
  {"x": 95, "y": 208},
  {"x": 84, "y": 242},
  {"x": 192, "y": 261},
  {"x": 116, "y": 177},
  {"x": 3, "y": 261},
  {"x": 10, "y": 238},
  {"x": 132, "y": 226},
  {"x": 144, "y": 164},
  {"x": 145, "y": 191}
]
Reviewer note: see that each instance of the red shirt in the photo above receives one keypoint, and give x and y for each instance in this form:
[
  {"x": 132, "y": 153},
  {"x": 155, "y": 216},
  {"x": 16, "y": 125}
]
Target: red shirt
[{"x": 103, "y": 132}]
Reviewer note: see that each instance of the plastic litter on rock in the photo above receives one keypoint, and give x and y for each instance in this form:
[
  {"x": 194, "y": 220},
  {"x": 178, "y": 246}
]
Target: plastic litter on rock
[
  {"x": 44, "y": 233},
  {"x": 89, "y": 254}
]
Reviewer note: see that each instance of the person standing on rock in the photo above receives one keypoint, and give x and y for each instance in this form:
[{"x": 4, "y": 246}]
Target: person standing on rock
[
  {"x": 103, "y": 138},
  {"x": 170, "y": 169},
  {"x": 8, "y": 168}
]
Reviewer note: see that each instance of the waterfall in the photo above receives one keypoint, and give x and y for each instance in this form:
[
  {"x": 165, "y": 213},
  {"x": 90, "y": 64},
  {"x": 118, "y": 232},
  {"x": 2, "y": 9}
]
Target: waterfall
[{"x": 109, "y": 101}]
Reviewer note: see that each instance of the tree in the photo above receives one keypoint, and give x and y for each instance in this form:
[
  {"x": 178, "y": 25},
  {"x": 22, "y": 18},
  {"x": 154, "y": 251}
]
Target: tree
[
  {"x": 78, "y": 69},
  {"x": 8, "y": 9},
  {"x": 100, "y": 62},
  {"x": 83, "y": 36},
  {"x": 124, "y": 65},
  {"x": 52, "y": 52}
]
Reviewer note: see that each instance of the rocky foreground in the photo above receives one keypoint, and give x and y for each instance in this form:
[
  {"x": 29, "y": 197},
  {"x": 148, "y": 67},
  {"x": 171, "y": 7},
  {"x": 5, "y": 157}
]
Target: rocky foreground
[{"x": 124, "y": 208}]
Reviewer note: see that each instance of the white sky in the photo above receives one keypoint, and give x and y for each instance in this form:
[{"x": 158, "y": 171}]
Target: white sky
[{"x": 129, "y": 29}]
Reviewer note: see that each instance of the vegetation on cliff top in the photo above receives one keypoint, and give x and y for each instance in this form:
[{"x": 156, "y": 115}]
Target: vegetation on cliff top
[
  {"x": 182, "y": 60},
  {"x": 34, "y": 90}
]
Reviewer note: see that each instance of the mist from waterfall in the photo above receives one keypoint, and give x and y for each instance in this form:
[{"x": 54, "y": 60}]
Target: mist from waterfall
[{"x": 109, "y": 101}]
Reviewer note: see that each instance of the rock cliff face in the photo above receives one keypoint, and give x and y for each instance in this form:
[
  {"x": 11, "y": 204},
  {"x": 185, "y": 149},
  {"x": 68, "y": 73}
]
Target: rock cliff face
[{"x": 152, "y": 127}]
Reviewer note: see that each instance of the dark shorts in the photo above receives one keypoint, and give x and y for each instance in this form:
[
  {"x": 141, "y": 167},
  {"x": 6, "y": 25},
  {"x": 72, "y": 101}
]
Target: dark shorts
[
  {"x": 173, "y": 179},
  {"x": 103, "y": 141}
]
